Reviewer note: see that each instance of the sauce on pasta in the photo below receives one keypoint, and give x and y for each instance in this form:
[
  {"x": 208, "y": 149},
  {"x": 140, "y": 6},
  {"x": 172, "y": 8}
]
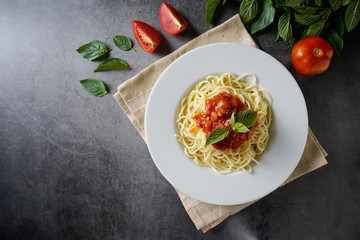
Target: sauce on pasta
[{"x": 218, "y": 110}]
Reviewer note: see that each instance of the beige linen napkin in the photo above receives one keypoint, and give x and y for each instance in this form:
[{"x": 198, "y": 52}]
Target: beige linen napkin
[{"x": 133, "y": 94}]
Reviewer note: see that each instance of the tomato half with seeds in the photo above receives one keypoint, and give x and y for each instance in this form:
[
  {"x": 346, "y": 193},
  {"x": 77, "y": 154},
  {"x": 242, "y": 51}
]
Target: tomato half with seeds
[
  {"x": 171, "y": 20},
  {"x": 311, "y": 55},
  {"x": 147, "y": 36}
]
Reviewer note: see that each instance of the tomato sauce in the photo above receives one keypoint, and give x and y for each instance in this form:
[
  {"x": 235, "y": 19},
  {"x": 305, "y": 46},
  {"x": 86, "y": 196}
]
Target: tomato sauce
[{"x": 218, "y": 110}]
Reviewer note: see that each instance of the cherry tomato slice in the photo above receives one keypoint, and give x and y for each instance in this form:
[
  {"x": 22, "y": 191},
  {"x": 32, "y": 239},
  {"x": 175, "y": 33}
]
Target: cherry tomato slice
[
  {"x": 311, "y": 55},
  {"x": 171, "y": 20},
  {"x": 147, "y": 37}
]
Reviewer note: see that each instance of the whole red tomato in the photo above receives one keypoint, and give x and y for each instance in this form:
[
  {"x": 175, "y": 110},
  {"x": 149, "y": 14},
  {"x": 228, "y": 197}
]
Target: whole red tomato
[
  {"x": 311, "y": 55},
  {"x": 147, "y": 36},
  {"x": 171, "y": 20}
]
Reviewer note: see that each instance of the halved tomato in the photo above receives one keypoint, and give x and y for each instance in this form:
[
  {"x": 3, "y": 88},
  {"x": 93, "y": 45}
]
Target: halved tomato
[
  {"x": 147, "y": 36},
  {"x": 171, "y": 20}
]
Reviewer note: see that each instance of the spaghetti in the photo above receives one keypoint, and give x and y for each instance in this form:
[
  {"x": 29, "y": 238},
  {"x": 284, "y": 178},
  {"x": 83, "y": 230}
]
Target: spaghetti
[{"x": 193, "y": 137}]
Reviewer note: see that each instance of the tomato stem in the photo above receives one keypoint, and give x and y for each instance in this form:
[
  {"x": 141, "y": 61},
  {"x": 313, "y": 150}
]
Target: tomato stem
[{"x": 318, "y": 52}]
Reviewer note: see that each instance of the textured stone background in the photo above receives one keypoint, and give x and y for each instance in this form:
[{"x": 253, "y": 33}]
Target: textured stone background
[{"x": 73, "y": 167}]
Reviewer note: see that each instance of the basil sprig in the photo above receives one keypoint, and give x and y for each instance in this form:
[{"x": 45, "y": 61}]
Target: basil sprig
[
  {"x": 94, "y": 86},
  {"x": 93, "y": 50},
  {"x": 296, "y": 19},
  {"x": 239, "y": 123},
  {"x": 122, "y": 42},
  {"x": 112, "y": 64}
]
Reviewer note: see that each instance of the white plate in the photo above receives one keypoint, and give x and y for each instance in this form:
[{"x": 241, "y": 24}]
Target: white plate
[{"x": 288, "y": 132}]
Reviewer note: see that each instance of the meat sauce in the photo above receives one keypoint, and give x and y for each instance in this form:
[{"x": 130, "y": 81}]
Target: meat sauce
[{"x": 218, "y": 110}]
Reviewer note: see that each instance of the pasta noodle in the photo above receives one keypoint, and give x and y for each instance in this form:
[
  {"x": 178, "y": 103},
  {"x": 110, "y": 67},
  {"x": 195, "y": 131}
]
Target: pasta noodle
[{"x": 224, "y": 162}]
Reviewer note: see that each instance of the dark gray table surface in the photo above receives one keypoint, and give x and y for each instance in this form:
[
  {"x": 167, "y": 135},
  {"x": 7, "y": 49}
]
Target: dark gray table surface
[{"x": 72, "y": 166}]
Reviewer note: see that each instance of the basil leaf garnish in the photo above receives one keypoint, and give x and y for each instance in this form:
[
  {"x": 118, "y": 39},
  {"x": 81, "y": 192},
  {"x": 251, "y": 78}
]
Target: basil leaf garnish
[
  {"x": 122, "y": 42},
  {"x": 239, "y": 127},
  {"x": 248, "y": 10},
  {"x": 94, "y": 86},
  {"x": 352, "y": 15},
  {"x": 247, "y": 117},
  {"x": 112, "y": 64},
  {"x": 240, "y": 123},
  {"x": 216, "y": 136},
  {"x": 211, "y": 6},
  {"x": 93, "y": 50},
  {"x": 266, "y": 17},
  {"x": 232, "y": 120}
]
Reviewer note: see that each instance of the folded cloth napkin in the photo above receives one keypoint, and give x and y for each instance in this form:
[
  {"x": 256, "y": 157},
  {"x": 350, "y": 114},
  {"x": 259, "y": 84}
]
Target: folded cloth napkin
[{"x": 133, "y": 94}]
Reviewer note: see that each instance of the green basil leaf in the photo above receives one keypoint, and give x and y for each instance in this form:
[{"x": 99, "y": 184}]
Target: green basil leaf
[
  {"x": 94, "y": 86},
  {"x": 352, "y": 15},
  {"x": 247, "y": 117},
  {"x": 211, "y": 6},
  {"x": 335, "y": 4},
  {"x": 345, "y": 2},
  {"x": 266, "y": 17},
  {"x": 279, "y": 2},
  {"x": 325, "y": 13},
  {"x": 248, "y": 10},
  {"x": 340, "y": 28},
  {"x": 306, "y": 10},
  {"x": 232, "y": 120},
  {"x": 112, "y": 64},
  {"x": 314, "y": 29},
  {"x": 223, "y": 3},
  {"x": 122, "y": 42},
  {"x": 239, "y": 127},
  {"x": 285, "y": 28},
  {"x": 216, "y": 136},
  {"x": 291, "y": 3},
  {"x": 276, "y": 35},
  {"x": 306, "y": 19},
  {"x": 318, "y": 2},
  {"x": 317, "y": 28},
  {"x": 336, "y": 42},
  {"x": 93, "y": 50}
]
